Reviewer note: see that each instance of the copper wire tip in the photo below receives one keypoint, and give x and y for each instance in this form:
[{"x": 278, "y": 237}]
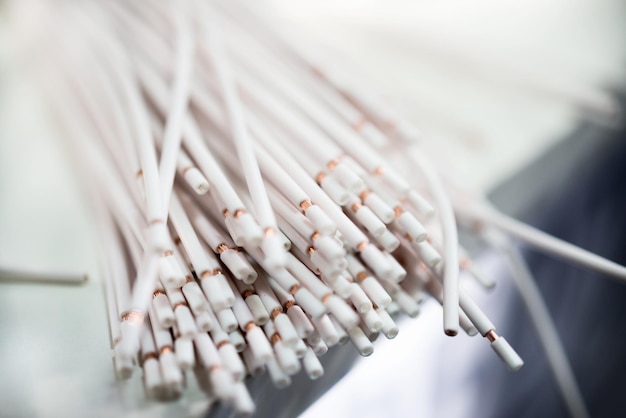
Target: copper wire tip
[
  {"x": 315, "y": 235},
  {"x": 326, "y": 297},
  {"x": 157, "y": 293},
  {"x": 310, "y": 250},
  {"x": 294, "y": 289},
  {"x": 465, "y": 263},
  {"x": 238, "y": 213},
  {"x": 275, "y": 312},
  {"x": 168, "y": 253},
  {"x": 247, "y": 293},
  {"x": 360, "y": 276},
  {"x": 304, "y": 205},
  {"x": 397, "y": 211},
  {"x": 355, "y": 207},
  {"x": 450, "y": 332},
  {"x": 364, "y": 194},
  {"x": 150, "y": 355},
  {"x": 249, "y": 326},
  {"x": 221, "y": 248},
  {"x": 333, "y": 163},
  {"x": 491, "y": 335},
  {"x": 139, "y": 174},
  {"x": 205, "y": 274},
  {"x": 178, "y": 305},
  {"x": 379, "y": 171},
  {"x": 226, "y": 213},
  {"x": 222, "y": 344},
  {"x": 361, "y": 246},
  {"x": 320, "y": 177},
  {"x": 288, "y": 304},
  {"x": 269, "y": 231},
  {"x": 275, "y": 338},
  {"x": 135, "y": 316},
  {"x": 166, "y": 349}
]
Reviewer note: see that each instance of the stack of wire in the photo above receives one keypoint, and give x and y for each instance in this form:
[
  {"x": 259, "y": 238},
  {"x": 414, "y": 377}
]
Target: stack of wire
[{"x": 247, "y": 219}]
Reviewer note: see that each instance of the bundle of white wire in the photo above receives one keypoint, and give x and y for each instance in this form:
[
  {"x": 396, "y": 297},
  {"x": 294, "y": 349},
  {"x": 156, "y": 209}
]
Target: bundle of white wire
[{"x": 247, "y": 219}]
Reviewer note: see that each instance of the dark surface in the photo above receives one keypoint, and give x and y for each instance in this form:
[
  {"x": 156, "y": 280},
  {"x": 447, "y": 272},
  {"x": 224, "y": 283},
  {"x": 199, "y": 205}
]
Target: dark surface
[{"x": 580, "y": 196}]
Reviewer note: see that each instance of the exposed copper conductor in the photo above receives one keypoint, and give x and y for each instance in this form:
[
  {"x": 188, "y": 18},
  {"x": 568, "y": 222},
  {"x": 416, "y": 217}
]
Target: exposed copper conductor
[
  {"x": 310, "y": 250},
  {"x": 320, "y": 177},
  {"x": 166, "y": 349},
  {"x": 275, "y": 312},
  {"x": 134, "y": 315},
  {"x": 238, "y": 213},
  {"x": 361, "y": 246},
  {"x": 157, "y": 293},
  {"x": 408, "y": 236},
  {"x": 168, "y": 253},
  {"x": 205, "y": 274},
  {"x": 359, "y": 124},
  {"x": 249, "y": 326},
  {"x": 156, "y": 221},
  {"x": 315, "y": 235},
  {"x": 221, "y": 248},
  {"x": 177, "y": 241},
  {"x": 288, "y": 304},
  {"x": 374, "y": 306},
  {"x": 326, "y": 297},
  {"x": 294, "y": 289},
  {"x": 178, "y": 305},
  {"x": 246, "y": 293},
  {"x": 269, "y": 231},
  {"x": 222, "y": 344},
  {"x": 333, "y": 163},
  {"x": 379, "y": 171},
  {"x": 188, "y": 279},
  {"x": 275, "y": 338},
  {"x": 139, "y": 174},
  {"x": 450, "y": 332},
  {"x": 150, "y": 355},
  {"x": 189, "y": 167},
  {"x": 226, "y": 213},
  {"x": 355, "y": 207},
  {"x": 304, "y": 205},
  {"x": 465, "y": 263},
  {"x": 215, "y": 272},
  {"x": 398, "y": 211},
  {"x": 360, "y": 276},
  {"x": 491, "y": 335},
  {"x": 364, "y": 194}
]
